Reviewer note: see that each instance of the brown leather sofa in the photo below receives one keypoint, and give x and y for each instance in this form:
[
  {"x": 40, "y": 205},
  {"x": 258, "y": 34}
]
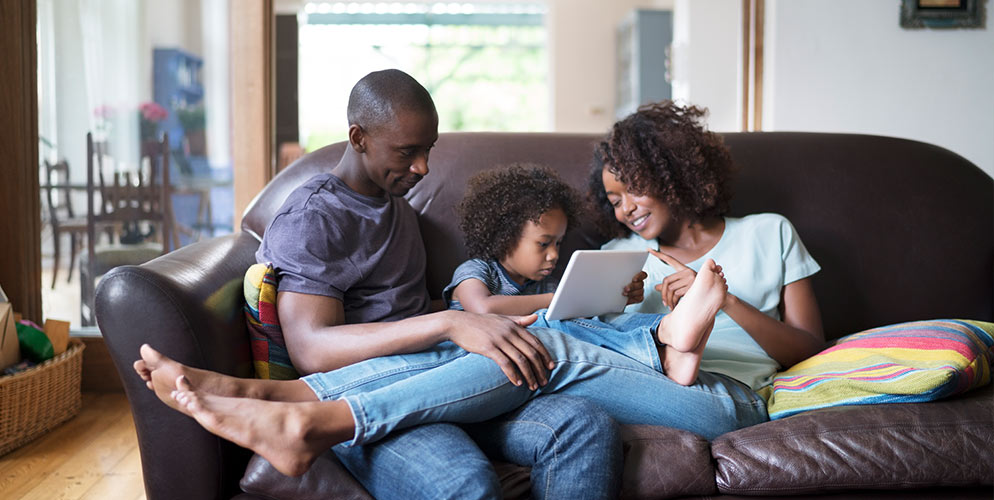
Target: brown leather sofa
[{"x": 903, "y": 231}]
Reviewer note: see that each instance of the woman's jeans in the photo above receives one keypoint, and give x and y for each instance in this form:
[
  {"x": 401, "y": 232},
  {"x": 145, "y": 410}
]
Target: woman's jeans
[{"x": 447, "y": 384}]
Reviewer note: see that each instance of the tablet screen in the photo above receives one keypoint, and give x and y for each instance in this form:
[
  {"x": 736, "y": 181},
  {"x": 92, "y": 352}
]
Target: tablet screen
[{"x": 593, "y": 281}]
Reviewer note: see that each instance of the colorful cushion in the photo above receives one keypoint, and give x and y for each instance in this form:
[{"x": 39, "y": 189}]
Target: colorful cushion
[
  {"x": 269, "y": 355},
  {"x": 901, "y": 363}
]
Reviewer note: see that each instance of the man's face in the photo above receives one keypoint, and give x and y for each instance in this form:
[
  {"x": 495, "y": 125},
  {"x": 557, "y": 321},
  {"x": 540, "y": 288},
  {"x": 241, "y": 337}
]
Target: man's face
[{"x": 396, "y": 153}]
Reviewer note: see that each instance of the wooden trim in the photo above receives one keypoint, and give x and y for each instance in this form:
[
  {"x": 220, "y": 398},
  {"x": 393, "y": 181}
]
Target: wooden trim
[
  {"x": 753, "y": 16},
  {"x": 99, "y": 372},
  {"x": 746, "y": 59},
  {"x": 20, "y": 197},
  {"x": 253, "y": 160},
  {"x": 757, "y": 70}
]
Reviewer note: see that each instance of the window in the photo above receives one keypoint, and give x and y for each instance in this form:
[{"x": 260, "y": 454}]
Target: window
[
  {"x": 127, "y": 72},
  {"x": 484, "y": 64}
]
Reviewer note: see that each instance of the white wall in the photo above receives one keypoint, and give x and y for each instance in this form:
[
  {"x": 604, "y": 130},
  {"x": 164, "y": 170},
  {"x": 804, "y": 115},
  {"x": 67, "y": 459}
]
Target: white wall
[
  {"x": 848, "y": 66},
  {"x": 706, "y": 71},
  {"x": 582, "y": 61}
]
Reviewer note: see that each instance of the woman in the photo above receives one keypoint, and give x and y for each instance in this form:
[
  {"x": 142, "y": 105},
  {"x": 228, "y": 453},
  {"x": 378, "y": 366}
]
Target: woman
[{"x": 662, "y": 181}]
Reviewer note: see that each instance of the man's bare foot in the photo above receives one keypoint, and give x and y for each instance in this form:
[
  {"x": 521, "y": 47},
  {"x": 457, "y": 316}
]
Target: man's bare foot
[
  {"x": 685, "y": 330},
  {"x": 160, "y": 373},
  {"x": 289, "y": 435}
]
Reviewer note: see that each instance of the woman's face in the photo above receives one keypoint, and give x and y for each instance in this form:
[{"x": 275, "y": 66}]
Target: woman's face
[{"x": 646, "y": 215}]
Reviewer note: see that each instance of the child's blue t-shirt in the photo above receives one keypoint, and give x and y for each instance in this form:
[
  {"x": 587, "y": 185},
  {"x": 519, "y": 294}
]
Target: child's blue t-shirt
[
  {"x": 498, "y": 282},
  {"x": 759, "y": 254}
]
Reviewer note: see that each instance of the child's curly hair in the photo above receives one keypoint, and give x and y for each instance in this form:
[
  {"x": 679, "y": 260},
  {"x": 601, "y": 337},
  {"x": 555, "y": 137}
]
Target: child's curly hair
[
  {"x": 498, "y": 203},
  {"x": 663, "y": 150}
]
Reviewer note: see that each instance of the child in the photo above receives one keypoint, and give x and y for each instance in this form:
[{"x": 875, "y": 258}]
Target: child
[{"x": 514, "y": 220}]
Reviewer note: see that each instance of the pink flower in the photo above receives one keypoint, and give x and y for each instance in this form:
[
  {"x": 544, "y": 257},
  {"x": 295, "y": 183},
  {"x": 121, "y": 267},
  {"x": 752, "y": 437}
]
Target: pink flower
[
  {"x": 104, "y": 111},
  {"x": 152, "y": 111}
]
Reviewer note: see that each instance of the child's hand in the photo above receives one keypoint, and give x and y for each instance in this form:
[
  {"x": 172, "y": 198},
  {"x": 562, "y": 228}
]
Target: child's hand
[{"x": 635, "y": 290}]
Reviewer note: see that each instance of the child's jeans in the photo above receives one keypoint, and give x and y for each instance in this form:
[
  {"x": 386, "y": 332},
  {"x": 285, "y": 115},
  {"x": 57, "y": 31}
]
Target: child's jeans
[{"x": 631, "y": 334}]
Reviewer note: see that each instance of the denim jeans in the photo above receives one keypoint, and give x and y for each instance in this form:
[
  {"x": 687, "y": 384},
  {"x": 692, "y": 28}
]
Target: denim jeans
[
  {"x": 573, "y": 447},
  {"x": 447, "y": 384},
  {"x": 631, "y": 334}
]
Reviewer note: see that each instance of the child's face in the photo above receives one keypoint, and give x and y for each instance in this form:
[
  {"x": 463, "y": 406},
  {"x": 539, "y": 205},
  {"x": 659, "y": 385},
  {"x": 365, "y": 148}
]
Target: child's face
[
  {"x": 535, "y": 255},
  {"x": 645, "y": 215}
]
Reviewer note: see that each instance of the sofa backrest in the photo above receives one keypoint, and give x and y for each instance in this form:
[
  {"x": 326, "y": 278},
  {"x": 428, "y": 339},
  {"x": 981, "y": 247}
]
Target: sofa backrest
[{"x": 903, "y": 230}]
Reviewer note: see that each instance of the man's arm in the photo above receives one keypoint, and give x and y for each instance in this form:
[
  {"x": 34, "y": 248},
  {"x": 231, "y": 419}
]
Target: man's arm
[{"x": 318, "y": 339}]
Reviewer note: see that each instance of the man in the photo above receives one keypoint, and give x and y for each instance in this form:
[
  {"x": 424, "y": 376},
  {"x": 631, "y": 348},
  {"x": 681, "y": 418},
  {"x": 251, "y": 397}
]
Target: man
[{"x": 351, "y": 263}]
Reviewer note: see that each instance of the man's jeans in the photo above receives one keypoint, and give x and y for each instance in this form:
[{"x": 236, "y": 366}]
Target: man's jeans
[
  {"x": 573, "y": 447},
  {"x": 447, "y": 384}
]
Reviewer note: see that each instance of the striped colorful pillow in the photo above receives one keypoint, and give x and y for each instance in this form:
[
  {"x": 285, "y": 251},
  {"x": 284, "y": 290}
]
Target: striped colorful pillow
[
  {"x": 902, "y": 363},
  {"x": 269, "y": 355}
]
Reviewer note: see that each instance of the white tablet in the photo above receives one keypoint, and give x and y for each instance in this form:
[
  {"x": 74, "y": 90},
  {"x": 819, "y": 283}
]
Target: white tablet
[{"x": 593, "y": 281}]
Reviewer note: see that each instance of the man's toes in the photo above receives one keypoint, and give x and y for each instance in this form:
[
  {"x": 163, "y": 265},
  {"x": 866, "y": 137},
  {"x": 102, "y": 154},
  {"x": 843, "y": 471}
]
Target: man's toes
[{"x": 183, "y": 383}]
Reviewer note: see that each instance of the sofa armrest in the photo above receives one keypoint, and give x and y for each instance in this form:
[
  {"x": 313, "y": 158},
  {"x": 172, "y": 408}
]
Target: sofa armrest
[{"x": 187, "y": 304}]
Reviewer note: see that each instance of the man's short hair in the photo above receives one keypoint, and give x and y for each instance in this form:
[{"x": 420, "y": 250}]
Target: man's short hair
[{"x": 380, "y": 95}]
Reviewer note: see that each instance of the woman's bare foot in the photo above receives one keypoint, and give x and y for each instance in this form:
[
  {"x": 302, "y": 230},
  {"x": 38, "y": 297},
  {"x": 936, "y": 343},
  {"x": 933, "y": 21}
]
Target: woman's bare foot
[
  {"x": 160, "y": 373},
  {"x": 685, "y": 331},
  {"x": 289, "y": 435}
]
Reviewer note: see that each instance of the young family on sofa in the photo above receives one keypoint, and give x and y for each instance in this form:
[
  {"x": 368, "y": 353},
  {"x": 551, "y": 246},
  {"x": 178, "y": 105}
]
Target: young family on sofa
[{"x": 723, "y": 330}]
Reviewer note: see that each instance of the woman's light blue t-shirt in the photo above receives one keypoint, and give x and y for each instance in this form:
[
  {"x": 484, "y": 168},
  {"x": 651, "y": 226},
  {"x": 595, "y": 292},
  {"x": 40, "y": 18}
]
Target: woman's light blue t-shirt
[{"x": 759, "y": 255}]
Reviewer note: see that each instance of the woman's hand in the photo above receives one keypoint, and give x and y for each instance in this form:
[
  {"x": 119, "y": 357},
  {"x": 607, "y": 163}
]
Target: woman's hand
[
  {"x": 635, "y": 291},
  {"x": 674, "y": 286}
]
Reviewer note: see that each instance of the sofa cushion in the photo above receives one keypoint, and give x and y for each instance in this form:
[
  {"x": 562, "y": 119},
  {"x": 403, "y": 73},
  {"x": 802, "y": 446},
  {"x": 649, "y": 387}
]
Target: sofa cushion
[
  {"x": 327, "y": 478},
  {"x": 890, "y": 446},
  {"x": 901, "y": 363},
  {"x": 270, "y": 357},
  {"x": 659, "y": 463}
]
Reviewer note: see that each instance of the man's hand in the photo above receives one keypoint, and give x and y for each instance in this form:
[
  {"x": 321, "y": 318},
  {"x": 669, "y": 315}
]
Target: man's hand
[
  {"x": 505, "y": 340},
  {"x": 635, "y": 291}
]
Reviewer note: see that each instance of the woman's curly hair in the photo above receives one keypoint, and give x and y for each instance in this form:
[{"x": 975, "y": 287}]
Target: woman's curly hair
[
  {"x": 498, "y": 203},
  {"x": 665, "y": 151}
]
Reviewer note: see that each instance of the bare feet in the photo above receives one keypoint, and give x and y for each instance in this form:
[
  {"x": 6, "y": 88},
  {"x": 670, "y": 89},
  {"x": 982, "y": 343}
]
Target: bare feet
[
  {"x": 160, "y": 373},
  {"x": 685, "y": 331},
  {"x": 289, "y": 435}
]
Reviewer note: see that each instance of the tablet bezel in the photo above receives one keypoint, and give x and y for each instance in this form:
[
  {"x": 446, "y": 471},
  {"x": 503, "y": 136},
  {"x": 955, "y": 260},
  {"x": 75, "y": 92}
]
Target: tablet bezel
[{"x": 592, "y": 283}]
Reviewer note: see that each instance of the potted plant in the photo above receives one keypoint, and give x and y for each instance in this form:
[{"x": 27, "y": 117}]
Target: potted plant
[
  {"x": 149, "y": 115},
  {"x": 194, "y": 122}
]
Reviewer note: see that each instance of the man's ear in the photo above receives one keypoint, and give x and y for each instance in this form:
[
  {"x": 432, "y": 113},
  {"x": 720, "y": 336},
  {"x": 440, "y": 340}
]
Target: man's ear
[{"x": 357, "y": 138}]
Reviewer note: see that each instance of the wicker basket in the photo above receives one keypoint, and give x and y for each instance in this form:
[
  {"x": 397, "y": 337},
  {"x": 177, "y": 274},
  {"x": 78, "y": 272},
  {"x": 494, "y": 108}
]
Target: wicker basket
[{"x": 36, "y": 400}]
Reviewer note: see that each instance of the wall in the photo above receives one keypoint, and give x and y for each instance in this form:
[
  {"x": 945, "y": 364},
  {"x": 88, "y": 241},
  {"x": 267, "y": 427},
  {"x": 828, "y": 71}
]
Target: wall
[
  {"x": 582, "y": 61},
  {"x": 707, "y": 41},
  {"x": 848, "y": 66}
]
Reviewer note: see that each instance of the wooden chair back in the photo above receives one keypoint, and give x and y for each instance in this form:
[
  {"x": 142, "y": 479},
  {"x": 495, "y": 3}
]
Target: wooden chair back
[
  {"x": 133, "y": 206},
  {"x": 62, "y": 217}
]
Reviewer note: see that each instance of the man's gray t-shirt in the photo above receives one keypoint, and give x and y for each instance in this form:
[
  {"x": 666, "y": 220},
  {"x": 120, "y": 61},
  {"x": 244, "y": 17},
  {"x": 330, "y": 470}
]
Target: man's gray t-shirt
[{"x": 365, "y": 251}]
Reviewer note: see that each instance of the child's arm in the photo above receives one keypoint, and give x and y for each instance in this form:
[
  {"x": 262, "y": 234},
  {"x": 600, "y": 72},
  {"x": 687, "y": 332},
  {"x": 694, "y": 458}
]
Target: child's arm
[{"x": 475, "y": 297}]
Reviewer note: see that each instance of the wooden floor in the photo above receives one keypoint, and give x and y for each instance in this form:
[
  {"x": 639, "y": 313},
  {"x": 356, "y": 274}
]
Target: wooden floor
[{"x": 92, "y": 456}]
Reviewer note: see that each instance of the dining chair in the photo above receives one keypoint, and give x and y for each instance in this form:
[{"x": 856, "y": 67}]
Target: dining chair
[
  {"x": 134, "y": 208},
  {"x": 61, "y": 216}
]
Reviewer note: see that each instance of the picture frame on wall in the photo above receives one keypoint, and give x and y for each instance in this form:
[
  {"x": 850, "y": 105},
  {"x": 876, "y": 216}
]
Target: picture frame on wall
[{"x": 917, "y": 14}]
